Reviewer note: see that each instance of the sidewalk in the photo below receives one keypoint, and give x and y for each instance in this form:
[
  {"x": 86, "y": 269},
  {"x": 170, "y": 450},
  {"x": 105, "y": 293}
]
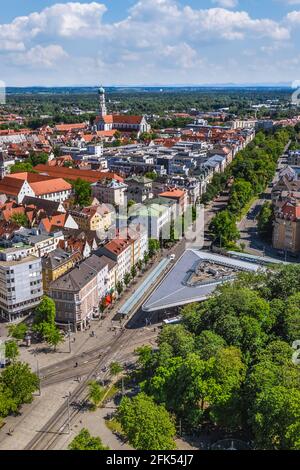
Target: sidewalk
[{"x": 95, "y": 423}]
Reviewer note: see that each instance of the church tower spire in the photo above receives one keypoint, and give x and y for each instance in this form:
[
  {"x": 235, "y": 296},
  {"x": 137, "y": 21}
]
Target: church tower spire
[{"x": 103, "y": 109}]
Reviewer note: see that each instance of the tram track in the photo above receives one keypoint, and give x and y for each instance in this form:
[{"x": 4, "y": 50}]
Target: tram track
[{"x": 47, "y": 437}]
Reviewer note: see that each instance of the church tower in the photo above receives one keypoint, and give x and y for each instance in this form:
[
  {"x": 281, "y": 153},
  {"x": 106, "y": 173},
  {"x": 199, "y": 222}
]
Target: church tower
[{"x": 103, "y": 110}]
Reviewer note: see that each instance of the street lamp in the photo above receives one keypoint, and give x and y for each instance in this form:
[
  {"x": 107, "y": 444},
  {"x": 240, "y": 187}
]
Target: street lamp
[{"x": 69, "y": 336}]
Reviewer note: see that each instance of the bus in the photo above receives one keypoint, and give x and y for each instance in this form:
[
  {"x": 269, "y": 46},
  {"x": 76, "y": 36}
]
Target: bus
[{"x": 173, "y": 321}]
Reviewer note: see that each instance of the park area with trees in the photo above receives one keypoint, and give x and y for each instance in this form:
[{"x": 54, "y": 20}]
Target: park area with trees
[{"x": 230, "y": 366}]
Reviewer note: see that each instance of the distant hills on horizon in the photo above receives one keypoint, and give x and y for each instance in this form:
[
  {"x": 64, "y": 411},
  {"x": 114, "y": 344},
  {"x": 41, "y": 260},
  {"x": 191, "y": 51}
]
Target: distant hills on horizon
[{"x": 147, "y": 88}]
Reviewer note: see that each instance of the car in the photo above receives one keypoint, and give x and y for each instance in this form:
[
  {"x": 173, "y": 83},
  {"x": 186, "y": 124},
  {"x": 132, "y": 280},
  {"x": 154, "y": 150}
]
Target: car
[{"x": 172, "y": 257}]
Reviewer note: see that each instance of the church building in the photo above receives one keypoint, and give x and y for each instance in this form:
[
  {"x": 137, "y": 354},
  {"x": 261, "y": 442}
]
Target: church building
[{"x": 120, "y": 122}]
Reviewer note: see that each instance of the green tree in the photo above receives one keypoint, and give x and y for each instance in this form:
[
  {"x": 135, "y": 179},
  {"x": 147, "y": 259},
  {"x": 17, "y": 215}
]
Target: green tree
[
  {"x": 229, "y": 372},
  {"x": 22, "y": 168},
  {"x": 133, "y": 272},
  {"x": 95, "y": 393},
  {"x": 84, "y": 441},
  {"x": 38, "y": 158},
  {"x": 275, "y": 419},
  {"x": 7, "y": 403},
  {"x": 140, "y": 265},
  {"x": 115, "y": 368},
  {"x": 148, "y": 426},
  {"x": 241, "y": 193},
  {"x": 178, "y": 338},
  {"x": 20, "y": 381},
  {"x": 283, "y": 282},
  {"x": 146, "y": 258},
  {"x": 291, "y": 318},
  {"x": 18, "y": 331},
  {"x": 151, "y": 175},
  {"x": 265, "y": 220},
  {"x": 191, "y": 317},
  {"x": 223, "y": 228},
  {"x": 20, "y": 219},
  {"x": 154, "y": 247},
  {"x": 45, "y": 311},
  {"x": 52, "y": 335},
  {"x": 119, "y": 287},
  {"x": 208, "y": 344},
  {"x": 11, "y": 350},
  {"x": 83, "y": 192},
  {"x": 146, "y": 360},
  {"x": 277, "y": 351},
  {"x": 127, "y": 279}
]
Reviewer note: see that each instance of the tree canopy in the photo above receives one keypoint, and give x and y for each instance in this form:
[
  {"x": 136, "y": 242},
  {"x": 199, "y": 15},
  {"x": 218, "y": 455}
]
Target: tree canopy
[
  {"x": 83, "y": 192},
  {"x": 229, "y": 362},
  {"x": 84, "y": 441},
  {"x": 147, "y": 425}
]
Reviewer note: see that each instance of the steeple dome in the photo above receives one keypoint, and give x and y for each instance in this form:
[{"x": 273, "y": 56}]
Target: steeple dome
[{"x": 102, "y": 104}]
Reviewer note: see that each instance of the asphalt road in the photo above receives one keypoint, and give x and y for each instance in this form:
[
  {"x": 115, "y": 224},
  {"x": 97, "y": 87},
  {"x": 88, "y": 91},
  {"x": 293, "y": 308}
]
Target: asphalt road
[
  {"x": 123, "y": 348},
  {"x": 248, "y": 225}
]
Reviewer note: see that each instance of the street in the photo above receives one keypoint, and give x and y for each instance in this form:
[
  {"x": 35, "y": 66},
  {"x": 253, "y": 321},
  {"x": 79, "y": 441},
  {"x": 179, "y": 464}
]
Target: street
[{"x": 248, "y": 225}]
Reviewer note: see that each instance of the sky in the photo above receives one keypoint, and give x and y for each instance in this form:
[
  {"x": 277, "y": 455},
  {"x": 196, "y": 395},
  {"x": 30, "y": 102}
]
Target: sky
[{"x": 149, "y": 42}]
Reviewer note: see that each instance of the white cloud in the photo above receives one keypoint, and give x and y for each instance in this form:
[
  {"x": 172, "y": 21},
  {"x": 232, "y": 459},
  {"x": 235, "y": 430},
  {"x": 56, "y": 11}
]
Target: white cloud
[
  {"x": 181, "y": 55},
  {"x": 155, "y": 37},
  {"x": 160, "y": 18},
  {"x": 226, "y": 3},
  {"x": 62, "y": 20},
  {"x": 148, "y": 21},
  {"x": 293, "y": 17},
  {"x": 39, "y": 56}
]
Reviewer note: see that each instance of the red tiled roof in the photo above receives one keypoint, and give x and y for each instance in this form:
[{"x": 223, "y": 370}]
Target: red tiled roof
[
  {"x": 7, "y": 214},
  {"x": 55, "y": 185},
  {"x": 73, "y": 174},
  {"x": 40, "y": 184},
  {"x": 119, "y": 119},
  {"x": 11, "y": 186},
  {"x": 106, "y": 133},
  {"x": 55, "y": 221},
  {"x": 106, "y": 119},
  {"x": 173, "y": 193},
  {"x": 88, "y": 137},
  {"x": 291, "y": 210},
  {"x": 70, "y": 127},
  {"x": 118, "y": 245}
]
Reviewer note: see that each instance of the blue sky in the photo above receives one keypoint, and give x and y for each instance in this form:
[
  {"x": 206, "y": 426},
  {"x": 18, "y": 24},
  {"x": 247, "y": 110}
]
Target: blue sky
[{"x": 146, "y": 42}]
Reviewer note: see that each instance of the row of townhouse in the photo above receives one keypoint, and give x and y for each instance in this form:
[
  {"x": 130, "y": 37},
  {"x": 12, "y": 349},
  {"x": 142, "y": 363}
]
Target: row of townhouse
[{"x": 79, "y": 292}]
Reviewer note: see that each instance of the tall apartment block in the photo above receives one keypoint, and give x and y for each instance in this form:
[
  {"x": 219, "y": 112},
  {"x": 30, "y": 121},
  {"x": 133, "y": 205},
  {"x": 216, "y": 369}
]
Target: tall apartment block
[{"x": 21, "y": 286}]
